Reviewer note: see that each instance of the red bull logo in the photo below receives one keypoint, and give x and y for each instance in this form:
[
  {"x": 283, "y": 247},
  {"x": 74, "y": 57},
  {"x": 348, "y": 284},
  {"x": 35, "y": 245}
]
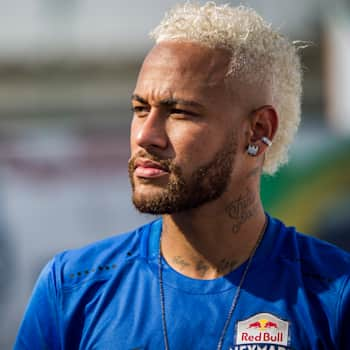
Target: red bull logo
[
  {"x": 263, "y": 329},
  {"x": 262, "y": 337}
]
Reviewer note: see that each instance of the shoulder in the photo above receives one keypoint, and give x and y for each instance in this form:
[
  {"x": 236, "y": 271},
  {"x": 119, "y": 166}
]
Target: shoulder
[
  {"x": 318, "y": 276},
  {"x": 312, "y": 253},
  {"x": 98, "y": 259},
  {"x": 319, "y": 264}
]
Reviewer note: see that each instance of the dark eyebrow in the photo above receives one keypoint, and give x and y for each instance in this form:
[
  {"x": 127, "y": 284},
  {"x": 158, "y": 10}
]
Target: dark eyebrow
[
  {"x": 138, "y": 98},
  {"x": 180, "y": 101},
  {"x": 169, "y": 101}
]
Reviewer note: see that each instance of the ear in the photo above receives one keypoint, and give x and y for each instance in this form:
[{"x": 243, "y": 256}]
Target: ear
[{"x": 263, "y": 123}]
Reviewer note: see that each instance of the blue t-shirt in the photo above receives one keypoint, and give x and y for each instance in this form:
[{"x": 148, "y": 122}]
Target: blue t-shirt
[{"x": 106, "y": 296}]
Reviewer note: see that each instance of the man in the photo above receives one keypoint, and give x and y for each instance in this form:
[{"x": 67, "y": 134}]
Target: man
[{"x": 216, "y": 103}]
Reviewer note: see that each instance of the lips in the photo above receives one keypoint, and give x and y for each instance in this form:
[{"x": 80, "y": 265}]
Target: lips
[{"x": 146, "y": 168}]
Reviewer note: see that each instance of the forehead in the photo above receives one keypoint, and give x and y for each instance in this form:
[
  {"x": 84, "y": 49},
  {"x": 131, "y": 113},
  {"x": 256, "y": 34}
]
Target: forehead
[{"x": 183, "y": 67}]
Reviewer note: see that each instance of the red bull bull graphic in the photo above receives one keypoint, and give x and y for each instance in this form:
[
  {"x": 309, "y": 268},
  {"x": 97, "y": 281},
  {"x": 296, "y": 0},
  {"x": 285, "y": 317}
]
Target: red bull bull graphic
[
  {"x": 255, "y": 325},
  {"x": 262, "y": 331},
  {"x": 263, "y": 324},
  {"x": 270, "y": 324}
]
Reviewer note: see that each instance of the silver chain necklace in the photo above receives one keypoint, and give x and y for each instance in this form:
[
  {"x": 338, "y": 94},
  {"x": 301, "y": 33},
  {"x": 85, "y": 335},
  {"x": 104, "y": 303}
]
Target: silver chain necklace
[{"x": 234, "y": 300}]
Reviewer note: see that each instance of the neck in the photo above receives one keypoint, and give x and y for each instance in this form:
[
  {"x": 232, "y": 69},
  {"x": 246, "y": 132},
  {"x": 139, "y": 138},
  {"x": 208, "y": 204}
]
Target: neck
[{"x": 210, "y": 241}]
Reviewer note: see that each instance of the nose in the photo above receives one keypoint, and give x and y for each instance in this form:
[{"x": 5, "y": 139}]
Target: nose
[{"x": 149, "y": 131}]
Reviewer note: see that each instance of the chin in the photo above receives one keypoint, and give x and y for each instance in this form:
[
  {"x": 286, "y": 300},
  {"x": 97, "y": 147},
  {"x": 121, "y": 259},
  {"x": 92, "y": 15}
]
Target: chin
[{"x": 147, "y": 191}]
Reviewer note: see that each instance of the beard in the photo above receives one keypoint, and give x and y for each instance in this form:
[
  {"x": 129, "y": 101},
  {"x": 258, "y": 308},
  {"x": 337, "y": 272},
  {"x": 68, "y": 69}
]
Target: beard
[{"x": 207, "y": 183}]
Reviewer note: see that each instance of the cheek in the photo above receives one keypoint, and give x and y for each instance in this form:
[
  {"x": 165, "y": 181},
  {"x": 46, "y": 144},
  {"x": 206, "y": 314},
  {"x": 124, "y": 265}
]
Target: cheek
[
  {"x": 134, "y": 129},
  {"x": 193, "y": 144}
]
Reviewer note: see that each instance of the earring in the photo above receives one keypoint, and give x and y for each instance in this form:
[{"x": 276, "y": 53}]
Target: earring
[
  {"x": 253, "y": 150},
  {"x": 266, "y": 141}
]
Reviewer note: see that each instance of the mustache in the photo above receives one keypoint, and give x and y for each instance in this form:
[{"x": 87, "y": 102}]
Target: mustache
[{"x": 166, "y": 164}]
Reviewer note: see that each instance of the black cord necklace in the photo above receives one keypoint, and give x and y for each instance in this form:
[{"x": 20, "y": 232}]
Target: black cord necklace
[{"x": 234, "y": 300}]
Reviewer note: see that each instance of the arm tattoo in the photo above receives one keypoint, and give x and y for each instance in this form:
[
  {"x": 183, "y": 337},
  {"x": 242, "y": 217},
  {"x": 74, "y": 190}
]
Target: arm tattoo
[{"x": 242, "y": 209}]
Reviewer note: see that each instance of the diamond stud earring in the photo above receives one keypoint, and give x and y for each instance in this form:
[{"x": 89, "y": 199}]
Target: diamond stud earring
[{"x": 252, "y": 150}]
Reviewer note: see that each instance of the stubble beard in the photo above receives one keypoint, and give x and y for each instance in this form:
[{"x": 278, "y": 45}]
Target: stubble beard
[{"x": 204, "y": 185}]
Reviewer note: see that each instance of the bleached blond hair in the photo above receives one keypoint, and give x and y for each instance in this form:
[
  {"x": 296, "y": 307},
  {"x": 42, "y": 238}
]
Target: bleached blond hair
[{"x": 259, "y": 54}]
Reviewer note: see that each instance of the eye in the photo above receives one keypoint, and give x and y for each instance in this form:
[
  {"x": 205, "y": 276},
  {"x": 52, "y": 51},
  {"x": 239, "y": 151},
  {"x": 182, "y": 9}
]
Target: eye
[
  {"x": 177, "y": 112},
  {"x": 140, "y": 111}
]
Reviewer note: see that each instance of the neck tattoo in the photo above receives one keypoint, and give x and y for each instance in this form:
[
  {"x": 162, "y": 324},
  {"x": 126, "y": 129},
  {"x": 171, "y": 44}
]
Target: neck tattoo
[{"x": 234, "y": 300}]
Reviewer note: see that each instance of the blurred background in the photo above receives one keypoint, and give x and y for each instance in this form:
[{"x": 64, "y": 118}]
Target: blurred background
[{"x": 67, "y": 71}]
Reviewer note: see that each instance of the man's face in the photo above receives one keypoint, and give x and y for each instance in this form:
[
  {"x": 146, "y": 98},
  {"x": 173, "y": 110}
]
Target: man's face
[{"x": 184, "y": 137}]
